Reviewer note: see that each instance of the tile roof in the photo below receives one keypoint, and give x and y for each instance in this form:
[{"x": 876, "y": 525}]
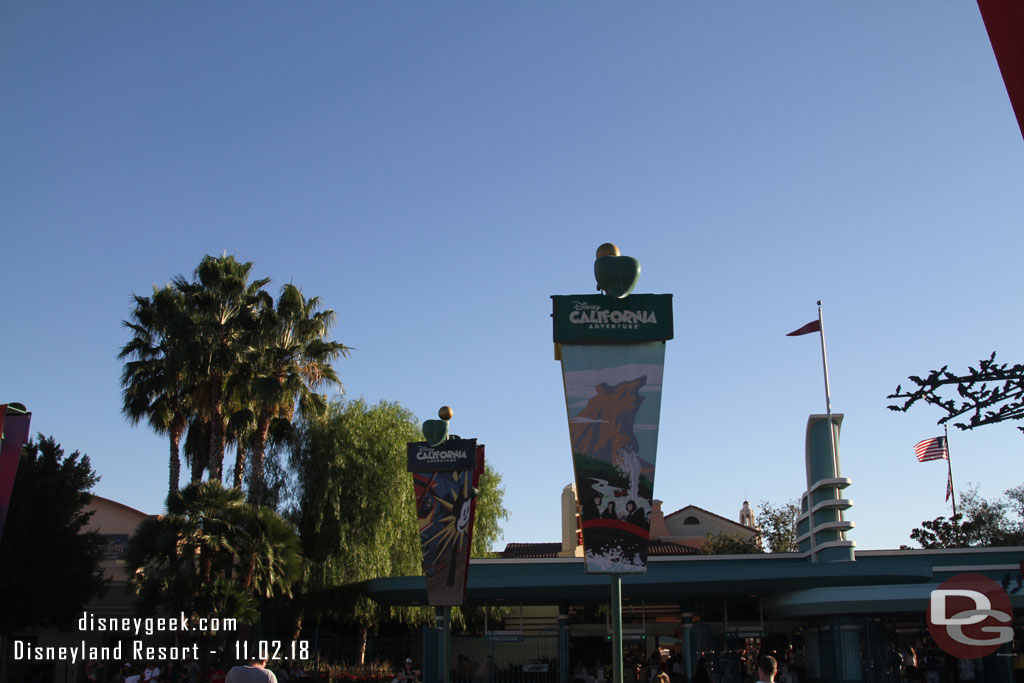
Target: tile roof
[{"x": 542, "y": 550}]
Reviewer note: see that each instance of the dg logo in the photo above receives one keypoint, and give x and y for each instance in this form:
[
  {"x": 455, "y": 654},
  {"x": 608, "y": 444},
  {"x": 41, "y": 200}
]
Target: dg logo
[{"x": 969, "y": 616}]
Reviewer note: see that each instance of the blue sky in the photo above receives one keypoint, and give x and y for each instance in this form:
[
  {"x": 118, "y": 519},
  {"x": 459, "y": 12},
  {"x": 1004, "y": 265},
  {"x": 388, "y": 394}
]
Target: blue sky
[{"x": 434, "y": 171}]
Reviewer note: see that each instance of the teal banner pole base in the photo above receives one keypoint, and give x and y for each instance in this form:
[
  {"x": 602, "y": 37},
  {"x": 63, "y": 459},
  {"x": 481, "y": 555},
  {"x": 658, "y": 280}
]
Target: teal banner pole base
[{"x": 616, "y": 581}]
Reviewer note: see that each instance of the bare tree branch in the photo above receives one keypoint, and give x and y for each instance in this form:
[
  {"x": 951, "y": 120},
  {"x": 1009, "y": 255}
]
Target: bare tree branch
[{"x": 989, "y": 393}]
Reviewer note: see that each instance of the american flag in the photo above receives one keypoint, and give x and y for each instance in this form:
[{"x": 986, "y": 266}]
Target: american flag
[{"x": 932, "y": 449}]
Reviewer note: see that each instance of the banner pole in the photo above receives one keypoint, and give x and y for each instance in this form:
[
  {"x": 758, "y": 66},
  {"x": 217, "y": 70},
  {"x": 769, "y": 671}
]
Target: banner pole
[{"x": 616, "y": 581}]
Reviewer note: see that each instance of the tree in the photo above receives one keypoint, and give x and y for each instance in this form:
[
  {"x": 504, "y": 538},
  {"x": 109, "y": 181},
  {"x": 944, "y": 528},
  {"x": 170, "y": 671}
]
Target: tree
[
  {"x": 778, "y": 525},
  {"x": 49, "y": 585},
  {"x": 221, "y": 303},
  {"x": 355, "y": 506},
  {"x": 990, "y": 393},
  {"x": 979, "y": 523},
  {"x": 942, "y": 533},
  {"x": 153, "y": 379},
  {"x": 212, "y": 553},
  {"x": 489, "y": 513},
  {"x": 355, "y": 510},
  {"x": 730, "y": 544},
  {"x": 215, "y": 361},
  {"x": 288, "y": 359}
]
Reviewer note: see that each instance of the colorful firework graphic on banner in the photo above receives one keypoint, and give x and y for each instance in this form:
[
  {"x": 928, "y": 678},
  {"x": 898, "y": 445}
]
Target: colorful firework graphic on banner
[{"x": 446, "y": 509}]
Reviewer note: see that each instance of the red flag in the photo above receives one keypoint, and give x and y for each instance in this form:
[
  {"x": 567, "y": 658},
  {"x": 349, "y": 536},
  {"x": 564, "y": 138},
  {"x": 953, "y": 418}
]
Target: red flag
[
  {"x": 1004, "y": 21},
  {"x": 814, "y": 326},
  {"x": 931, "y": 449},
  {"x": 949, "y": 487}
]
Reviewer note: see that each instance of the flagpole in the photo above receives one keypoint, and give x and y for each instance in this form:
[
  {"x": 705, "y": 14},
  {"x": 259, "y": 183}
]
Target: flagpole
[
  {"x": 949, "y": 463},
  {"x": 828, "y": 394},
  {"x": 828, "y": 401}
]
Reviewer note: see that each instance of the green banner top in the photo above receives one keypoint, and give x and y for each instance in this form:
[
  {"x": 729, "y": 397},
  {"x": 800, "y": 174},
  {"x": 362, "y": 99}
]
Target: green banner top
[{"x": 601, "y": 319}]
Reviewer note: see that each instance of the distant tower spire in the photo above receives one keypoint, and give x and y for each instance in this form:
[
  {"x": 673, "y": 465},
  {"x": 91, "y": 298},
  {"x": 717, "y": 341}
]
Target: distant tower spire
[{"x": 747, "y": 516}]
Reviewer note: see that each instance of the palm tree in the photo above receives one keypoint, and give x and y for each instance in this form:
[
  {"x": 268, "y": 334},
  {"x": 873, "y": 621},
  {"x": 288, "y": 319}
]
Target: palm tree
[
  {"x": 153, "y": 378},
  {"x": 288, "y": 361},
  {"x": 212, "y": 553},
  {"x": 220, "y": 302},
  {"x": 275, "y": 555}
]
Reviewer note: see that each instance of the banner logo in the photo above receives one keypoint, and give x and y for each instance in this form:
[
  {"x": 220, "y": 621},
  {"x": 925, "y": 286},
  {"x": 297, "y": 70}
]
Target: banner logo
[
  {"x": 453, "y": 454},
  {"x": 595, "y": 317},
  {"x": 599, "y": 319},
  {"x": 969, "y": 616}
]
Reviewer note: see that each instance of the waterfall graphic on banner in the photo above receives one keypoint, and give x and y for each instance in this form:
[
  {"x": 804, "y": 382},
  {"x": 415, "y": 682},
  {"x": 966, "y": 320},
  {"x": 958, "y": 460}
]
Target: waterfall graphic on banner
[{"x": 613, "y": 401}]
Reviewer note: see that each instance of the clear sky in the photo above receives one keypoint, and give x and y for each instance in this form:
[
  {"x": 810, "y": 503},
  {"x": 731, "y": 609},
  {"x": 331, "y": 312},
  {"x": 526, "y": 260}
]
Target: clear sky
[{"x": 434, "y": 171}]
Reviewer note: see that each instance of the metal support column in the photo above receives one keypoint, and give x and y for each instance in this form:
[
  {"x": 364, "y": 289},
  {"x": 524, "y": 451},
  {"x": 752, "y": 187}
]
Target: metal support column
[
  {"x": 687, "y": 646},
  {"x": 442, "y": 620},
  {"x": 616, "y": 581}
]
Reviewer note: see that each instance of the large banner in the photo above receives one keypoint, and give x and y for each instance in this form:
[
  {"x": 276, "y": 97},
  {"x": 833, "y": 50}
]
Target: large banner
[
  {"x": 445, "y": 478},
  {"x": 613, "y": 403}
]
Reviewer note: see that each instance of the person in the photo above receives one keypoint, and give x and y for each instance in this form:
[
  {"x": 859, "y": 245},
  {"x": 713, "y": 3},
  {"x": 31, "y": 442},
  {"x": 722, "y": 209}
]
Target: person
[
  {"x": 215, "y": 674},
  {"x": 484, "y": 670},
  {"x": 700, "y": 674},
  {"x": 654, "y": 662},
  {"x": 406, "y": 673},
  {"x": 592, "y": 507},
  {"x": 635, "y": 515},
  {"x": 609, "y": 511},
  {"x": 767, "y": 667},
  {"x": 910, "y": 664},
  {"x": 932, "y": 666},
  {"x": 255, "y": 671}
]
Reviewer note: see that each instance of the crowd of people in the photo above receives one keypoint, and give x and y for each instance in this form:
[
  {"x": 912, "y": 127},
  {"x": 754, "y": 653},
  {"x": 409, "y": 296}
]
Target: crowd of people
[{"x": 192, "y": 672}]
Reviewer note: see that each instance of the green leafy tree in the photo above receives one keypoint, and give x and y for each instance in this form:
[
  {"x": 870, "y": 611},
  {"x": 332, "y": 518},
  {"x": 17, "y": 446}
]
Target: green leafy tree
[
  {"x": 490, "y": 511},
  {"x": 48, "y": 585},
  {"x": 942, "y": 533},
  {"x": 729, "y": 544},
  {"x": 978, "y": 523},
  {"x": 153, "y": 380},
  {"x": 778, "y": 525},
  {"x": 355, "y": 510},
  {"x": 989, "y": 393}
]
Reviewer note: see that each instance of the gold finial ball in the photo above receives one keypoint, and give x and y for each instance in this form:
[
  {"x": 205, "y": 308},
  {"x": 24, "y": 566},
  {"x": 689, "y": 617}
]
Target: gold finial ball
[
  {"x": 607, "y": 249},
  {"x": 445, "y": 413}
]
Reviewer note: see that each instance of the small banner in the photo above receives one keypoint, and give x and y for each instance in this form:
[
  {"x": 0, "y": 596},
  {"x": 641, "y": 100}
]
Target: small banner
[
  {"x": 613, "y": 359},
  {"x": 14, "y": 427},
  {"x": 445, "y": 478}
]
